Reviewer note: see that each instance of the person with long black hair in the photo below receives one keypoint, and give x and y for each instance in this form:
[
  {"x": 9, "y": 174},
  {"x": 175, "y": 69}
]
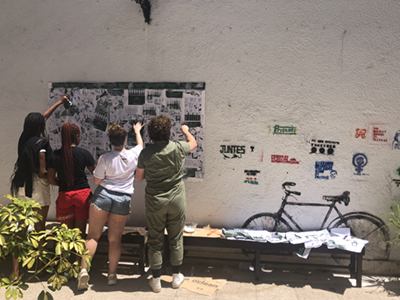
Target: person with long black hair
[
  {"x": 66, "y": 169},
  {"x": 29, "y": 179}
]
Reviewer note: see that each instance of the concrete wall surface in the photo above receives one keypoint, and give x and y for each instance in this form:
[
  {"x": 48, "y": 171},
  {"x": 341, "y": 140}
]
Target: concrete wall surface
[{"x": 285, "y": 81}]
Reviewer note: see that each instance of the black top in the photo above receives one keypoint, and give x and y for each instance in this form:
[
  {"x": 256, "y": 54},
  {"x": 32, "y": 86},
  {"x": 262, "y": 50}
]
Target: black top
[
  {"x": 28, "y": 162},
  {"x": 82, "y": 159}
]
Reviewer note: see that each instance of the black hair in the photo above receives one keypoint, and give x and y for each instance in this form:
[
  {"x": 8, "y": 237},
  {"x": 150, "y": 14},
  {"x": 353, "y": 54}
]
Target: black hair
[{"x": 34, "y": 124}]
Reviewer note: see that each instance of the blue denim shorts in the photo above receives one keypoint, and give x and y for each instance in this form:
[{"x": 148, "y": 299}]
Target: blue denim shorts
[{"x": 112, "y": 202}]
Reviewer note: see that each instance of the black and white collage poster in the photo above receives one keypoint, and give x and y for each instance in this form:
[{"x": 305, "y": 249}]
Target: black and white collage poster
[{"x": 94, "y": 106}]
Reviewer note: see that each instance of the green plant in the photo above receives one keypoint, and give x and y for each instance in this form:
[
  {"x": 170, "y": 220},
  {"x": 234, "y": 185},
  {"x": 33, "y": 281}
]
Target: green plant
[
  {"x": 17, "y": 239},
  {"x": 394, "y": 218}
]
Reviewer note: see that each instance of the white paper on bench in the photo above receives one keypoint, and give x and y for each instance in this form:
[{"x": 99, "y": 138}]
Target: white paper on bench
[{"x": 340, "y": 239}]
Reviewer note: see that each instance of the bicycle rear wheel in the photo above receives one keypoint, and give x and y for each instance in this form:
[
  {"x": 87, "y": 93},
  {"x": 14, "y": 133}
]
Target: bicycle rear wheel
[
  {"x": 368, "y": 227},
  {"x": 267, "y": 221}
]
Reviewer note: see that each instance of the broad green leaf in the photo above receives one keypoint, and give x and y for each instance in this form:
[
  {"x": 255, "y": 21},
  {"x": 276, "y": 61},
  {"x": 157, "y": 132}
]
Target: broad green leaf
[
  {"x": 14, "y": 293},
  {"x": 58, "y": 249},
  {"x": 42, "y": 295},
  {"x": 65, "y": 245},
  {"x": 63, "y": 279},
  {"x": 31, "y": 263},
  {"x": 34, "y": 242},
  {"x": 60, "y": 268},
  {"x": 5, "y": 280},
  {"x": 20, "y": 294},
  {"x": 23, "y": 286},
  {"x": 51, "y": 279},
  {"x": 55, "y": 283},
  {"x": 27, "y": 261},
  {"x": 8, "y": 293},
  {"x": 2, "y": 240}
]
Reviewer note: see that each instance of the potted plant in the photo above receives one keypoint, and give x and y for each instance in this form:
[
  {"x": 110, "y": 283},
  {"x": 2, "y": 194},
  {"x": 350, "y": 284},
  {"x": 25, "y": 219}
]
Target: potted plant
[{"x": 17, "y": 239}]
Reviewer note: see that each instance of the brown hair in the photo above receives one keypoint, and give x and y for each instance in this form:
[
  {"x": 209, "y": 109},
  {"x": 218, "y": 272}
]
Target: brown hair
[
  {"x": 116, "y": 134},
  {"x": 69, "y": 136},
  {"x": 159, "y": 128}
]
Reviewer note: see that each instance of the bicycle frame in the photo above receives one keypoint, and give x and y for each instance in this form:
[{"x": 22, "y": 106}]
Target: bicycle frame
[{"x": 282, "y": 210}]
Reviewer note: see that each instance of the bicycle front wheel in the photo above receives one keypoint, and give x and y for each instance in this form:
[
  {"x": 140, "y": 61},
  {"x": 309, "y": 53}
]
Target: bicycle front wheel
[
  {"x": 370, "y": 228},
  {"x": 267, "y": 221}
]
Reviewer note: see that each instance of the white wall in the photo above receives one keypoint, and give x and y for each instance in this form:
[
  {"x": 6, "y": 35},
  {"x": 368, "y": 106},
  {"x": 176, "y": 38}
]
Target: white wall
[{"x": 325, "y": 67}]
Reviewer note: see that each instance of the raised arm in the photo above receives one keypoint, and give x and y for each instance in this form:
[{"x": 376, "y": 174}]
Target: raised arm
[
  {"x": 137, "y": 127},
  {"x": 48, "y": 112},
  {"x": 189, "y": 137}
]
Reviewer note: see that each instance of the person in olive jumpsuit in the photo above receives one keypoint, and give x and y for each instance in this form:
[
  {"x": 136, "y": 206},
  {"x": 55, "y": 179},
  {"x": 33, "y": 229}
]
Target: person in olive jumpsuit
[{"x": 161, "y": 165}]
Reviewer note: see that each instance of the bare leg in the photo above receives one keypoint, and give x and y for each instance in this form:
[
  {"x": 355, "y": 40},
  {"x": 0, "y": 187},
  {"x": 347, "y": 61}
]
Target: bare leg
[
  {"x": 116, "y": 225},
  {"x": 97, "y": 219},
  {"x": 15, "y": 269},
  {"x": 39, "y": 226},
  {"x": 81, "y": 225}
]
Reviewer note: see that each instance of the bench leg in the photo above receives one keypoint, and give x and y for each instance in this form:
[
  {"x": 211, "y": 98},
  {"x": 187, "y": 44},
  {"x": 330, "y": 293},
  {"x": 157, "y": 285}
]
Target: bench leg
[
  {"x": 359, "y": 270},
  {"x": 257, "y": 268},
  {"x": 353, "y": 266},
  {"x": 142, "y": 256}
]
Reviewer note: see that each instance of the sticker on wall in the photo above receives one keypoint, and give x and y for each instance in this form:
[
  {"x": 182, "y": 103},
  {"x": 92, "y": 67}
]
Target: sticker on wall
[
  {"x": 323, "y": 147},
  {"x": 379, "y": 133},
  {"x": 285, "y": 130},
  {"x": 360, "y": 160},
  {"x": 232, "y": 151},
  {"x": 251, "y": 176},
  {"x": 361, "y": 133},
  {"x": 396, "y": 140},
  {"x": 320, "y": 170},
  {"x": 283, "y": 159}
]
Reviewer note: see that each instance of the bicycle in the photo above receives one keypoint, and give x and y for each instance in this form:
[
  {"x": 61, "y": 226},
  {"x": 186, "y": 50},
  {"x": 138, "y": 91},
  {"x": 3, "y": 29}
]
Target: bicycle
[{"x": 363, "y": 225}]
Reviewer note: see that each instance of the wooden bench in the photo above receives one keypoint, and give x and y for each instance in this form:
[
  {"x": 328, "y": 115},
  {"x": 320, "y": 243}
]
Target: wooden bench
[{"x": 256, "y": 249}]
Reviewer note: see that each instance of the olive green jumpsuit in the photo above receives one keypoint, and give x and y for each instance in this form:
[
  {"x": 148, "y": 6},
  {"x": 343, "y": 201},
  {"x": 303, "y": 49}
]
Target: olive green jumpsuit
[{"x": 165, "y": 198}]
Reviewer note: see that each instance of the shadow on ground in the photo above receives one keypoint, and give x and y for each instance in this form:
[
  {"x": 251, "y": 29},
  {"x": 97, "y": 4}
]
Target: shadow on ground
[{"x": 130, "y": 280}]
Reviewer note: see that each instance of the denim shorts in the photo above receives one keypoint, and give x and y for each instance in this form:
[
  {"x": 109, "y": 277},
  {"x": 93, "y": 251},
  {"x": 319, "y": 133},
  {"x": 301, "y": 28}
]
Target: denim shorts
[{"x": 112, "y": 202}]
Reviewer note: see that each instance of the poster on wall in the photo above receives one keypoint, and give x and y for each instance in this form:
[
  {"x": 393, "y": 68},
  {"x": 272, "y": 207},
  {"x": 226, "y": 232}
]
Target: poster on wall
[{"x": 96, "y": 105}]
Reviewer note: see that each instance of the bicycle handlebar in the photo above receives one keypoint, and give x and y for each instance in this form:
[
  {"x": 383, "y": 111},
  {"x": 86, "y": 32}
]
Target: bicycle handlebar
[{"x": 288, "y": 183}]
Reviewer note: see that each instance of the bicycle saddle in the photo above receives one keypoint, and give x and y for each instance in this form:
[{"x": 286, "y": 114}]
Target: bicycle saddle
[{"x": 343, "y": 197}]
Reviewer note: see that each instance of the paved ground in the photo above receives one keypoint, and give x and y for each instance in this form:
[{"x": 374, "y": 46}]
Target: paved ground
[{"x": 274, "y": 284}]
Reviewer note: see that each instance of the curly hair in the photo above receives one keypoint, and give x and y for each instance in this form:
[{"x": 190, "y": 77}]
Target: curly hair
[
  {"x": 116, "y": 134},
  {"x": 159, "y": 128}
]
